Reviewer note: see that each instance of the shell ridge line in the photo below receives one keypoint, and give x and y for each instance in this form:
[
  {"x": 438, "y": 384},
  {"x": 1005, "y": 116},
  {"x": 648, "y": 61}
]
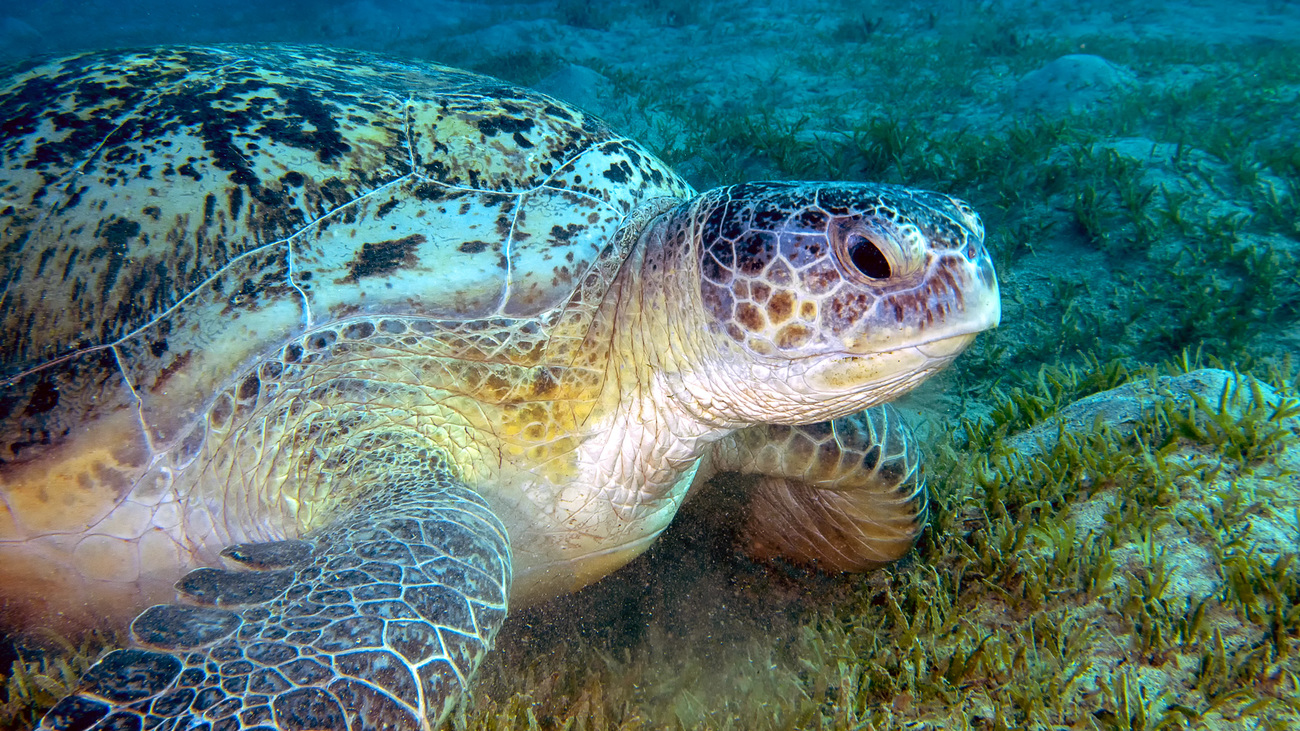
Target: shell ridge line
[
  {"x": 568, "y": 164},
  {"x": 447, "y": 654},
  {"x": 408, "y": 124},
  {"x": 423, "y": 178},
  {"x": 289, "y": 260},
  {"x": 510, "y": 235},
  {"x": 286, "y": 241},
  {"x": 594, "y": 199},
  {"x": 55, "y": 361},
  {"x": 580, "y": 154},
  {"x": 113, "y": 344},
  {"x": 547, "y": 184},
  {"x": 307, "y": 318},
  {"x": 139, "y": 404}
]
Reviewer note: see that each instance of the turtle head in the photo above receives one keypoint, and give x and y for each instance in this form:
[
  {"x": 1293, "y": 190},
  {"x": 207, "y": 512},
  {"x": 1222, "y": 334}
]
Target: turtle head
[{"x": 832, "y": 297}]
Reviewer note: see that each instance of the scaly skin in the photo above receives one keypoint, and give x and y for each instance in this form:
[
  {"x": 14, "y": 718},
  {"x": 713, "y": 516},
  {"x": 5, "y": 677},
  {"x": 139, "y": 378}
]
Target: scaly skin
[
  {"x": 442, "y": 302},
  {"x": 176, "y": 216},
  {"x": 852, "y": 487},
  {"x": 377, "y": 622},
  {"x": 844, "y": 496},
  {"x": 587, "y": 455}
]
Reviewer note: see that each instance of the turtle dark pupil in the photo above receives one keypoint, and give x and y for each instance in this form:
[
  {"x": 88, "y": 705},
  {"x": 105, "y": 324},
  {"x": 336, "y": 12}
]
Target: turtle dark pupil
[{"x": 868, "y": 258}]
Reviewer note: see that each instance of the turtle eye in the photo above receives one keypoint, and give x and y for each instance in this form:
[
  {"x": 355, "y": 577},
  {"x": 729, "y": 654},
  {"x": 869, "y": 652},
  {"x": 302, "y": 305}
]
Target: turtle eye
[
  {"x": 867, "y": 257},
  {"x": 870, "y": 251}
]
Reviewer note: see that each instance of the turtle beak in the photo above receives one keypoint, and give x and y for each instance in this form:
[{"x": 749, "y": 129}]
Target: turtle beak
[
  {"x": 941, "y": 315},
  {"x": 946, "y": 348}
]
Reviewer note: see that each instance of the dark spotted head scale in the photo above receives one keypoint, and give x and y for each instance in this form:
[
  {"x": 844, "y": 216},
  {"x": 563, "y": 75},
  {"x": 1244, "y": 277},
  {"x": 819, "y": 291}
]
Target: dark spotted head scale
[{"x": 804, "y": 269}]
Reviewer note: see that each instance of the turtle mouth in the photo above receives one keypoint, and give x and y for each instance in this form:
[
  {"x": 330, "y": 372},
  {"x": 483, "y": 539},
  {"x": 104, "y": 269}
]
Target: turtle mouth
[
  {"x": 946, "y": 347},
  {"x": 943, "y": 340},
  {"x": 884, "y": 373}
]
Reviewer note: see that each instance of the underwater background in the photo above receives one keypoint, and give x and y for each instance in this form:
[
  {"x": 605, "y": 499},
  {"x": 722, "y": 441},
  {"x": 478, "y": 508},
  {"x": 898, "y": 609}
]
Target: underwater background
[{"x": 1115, "y": 471}]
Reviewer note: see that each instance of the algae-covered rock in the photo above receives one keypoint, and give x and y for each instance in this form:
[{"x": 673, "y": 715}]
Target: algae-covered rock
[
  {"x": 1230, "y": 440},
  {"x": 1071, "y": 84}
]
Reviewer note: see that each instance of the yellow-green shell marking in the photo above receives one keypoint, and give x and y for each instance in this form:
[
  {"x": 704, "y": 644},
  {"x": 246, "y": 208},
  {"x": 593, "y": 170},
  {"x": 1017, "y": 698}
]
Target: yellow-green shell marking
[
  {"x": 171, "y": 217},
  {"x": 157, "y": 204},
  {"x": 366, "y": 349}
]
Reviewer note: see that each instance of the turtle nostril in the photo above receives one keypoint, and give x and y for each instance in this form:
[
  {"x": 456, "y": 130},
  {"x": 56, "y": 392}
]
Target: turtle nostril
[{"x": 868, "y": 258}]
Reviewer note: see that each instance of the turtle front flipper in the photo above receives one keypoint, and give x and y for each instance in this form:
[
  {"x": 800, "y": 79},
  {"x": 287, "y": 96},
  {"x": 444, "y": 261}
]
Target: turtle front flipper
[
  {"x": 378, "y": 621},
  {"x": 844, "y": 495}
]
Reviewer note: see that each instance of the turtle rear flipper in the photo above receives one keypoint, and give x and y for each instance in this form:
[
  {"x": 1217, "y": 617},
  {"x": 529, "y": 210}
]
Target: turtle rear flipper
[
  {"x": 844, "y": 495},
  {"x": 378, "y": 621}
]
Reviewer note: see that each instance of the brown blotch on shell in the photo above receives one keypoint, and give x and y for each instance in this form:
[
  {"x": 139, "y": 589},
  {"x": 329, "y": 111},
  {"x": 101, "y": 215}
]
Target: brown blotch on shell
[
  {"x": 219, "y": 414},
  {"x": 792, "y": 336},
  {"x": 780, "y": 307},
  {"x": 359, "y": 330},
  {"x": 44, "y": 398},
  {"x": 383, "y": 257},
  {"x": 189, "y": 446},
  {"x": 271, "y": 370},
  {"x": 111, "y": 477},
  {"x": 891, "y": 472},
  {"x": 164, "y": 375},
  {"x": 322, "y": 339},
  {"x": 249, "y": 387},
  {"x": 750, "y": 316},
  {"x": 801, "y": 449},
  {"x": 826, "y": 464},
  {"x": 544, "y": 385}
]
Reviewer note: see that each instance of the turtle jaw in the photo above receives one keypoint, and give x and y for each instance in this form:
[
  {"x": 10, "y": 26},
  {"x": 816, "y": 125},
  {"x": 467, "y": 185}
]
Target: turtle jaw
[
  {"x": 878, "y": 360},
  {"x": 861, "y": 380},
  {"x": 871, "y": 369},
  {"x": 811, "y": 301},
  {"x": 980, "y": 310},
  {"x": 806, "y": 389}
]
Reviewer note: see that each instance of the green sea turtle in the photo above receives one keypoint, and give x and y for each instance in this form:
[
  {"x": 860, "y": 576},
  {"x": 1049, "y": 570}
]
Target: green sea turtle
[{"x": 361, "y": 350}]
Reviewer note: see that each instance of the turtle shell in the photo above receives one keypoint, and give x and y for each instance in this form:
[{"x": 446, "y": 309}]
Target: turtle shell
[{"x": 171, "y": 215}]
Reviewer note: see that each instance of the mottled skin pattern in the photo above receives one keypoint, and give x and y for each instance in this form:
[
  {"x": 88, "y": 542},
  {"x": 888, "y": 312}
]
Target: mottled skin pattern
[
  {"x": 396, "y": 344},
  {"x": 768, "y": 272},
  {"x": 854, "y": 481},
  {"x": 379, "y": 621}
]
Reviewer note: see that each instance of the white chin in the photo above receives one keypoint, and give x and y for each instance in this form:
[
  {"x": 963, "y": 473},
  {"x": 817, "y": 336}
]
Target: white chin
[
  {"x": 882, "y": 376},
  {"x": 946, "y": 348}
]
